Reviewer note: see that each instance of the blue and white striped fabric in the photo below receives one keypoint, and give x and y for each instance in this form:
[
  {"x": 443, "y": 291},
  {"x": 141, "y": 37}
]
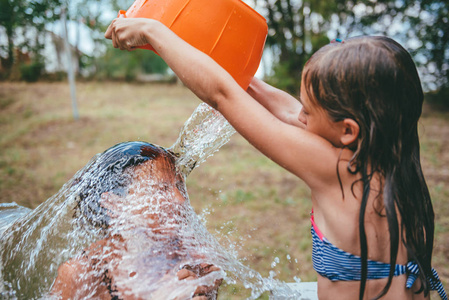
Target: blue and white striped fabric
[{"x": 335, "y": 264}]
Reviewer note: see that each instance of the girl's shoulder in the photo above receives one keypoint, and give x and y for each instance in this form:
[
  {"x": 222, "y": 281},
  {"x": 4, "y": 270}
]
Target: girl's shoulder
[{"x": 331, "y": 175}]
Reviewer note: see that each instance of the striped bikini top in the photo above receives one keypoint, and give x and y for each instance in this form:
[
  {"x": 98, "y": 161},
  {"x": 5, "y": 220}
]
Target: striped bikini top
[{"x": 338, "y": 265}]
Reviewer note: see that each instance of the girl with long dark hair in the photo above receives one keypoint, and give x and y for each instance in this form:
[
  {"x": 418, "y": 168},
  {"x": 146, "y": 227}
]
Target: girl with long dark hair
[{"x": 354, "y": 142}]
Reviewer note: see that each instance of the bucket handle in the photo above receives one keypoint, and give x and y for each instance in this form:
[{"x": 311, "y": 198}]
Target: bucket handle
[{"x": 121, "y": 14}]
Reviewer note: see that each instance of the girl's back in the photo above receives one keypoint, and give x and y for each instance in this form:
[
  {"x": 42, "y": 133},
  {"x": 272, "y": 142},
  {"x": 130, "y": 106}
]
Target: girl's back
[{"x": 338, "y": 221}]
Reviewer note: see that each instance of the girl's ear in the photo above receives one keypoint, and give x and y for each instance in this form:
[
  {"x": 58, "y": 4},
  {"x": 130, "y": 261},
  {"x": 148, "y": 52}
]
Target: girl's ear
[{"x": 350, "y": 132}]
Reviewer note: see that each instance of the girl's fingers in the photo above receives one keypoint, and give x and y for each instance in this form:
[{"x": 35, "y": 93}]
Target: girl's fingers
[
  {"x": 186, "y": 274},
  {"x": 114, "y": 39},
  {"x": 111, "y": 33},
  {"x": 118, "y": 40},
  {"x": 126, "y": 45},
  {"x": 108, "y": 33},
  {"x": 124, "y": 34}
]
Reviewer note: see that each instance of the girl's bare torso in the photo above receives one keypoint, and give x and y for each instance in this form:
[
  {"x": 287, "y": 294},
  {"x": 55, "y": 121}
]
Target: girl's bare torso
[{"x": 337, "y": 216}]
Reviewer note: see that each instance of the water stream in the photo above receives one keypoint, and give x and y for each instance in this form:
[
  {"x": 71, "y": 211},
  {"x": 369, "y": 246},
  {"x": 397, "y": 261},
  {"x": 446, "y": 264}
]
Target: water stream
[{"x": 123, "y": 226}]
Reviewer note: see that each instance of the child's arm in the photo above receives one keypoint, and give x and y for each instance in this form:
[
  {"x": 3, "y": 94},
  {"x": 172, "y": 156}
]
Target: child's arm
[
  {"x": 281, "y": 104},
  {"x": 196, "y": 70},
  {"x": 302, "y": 153}
]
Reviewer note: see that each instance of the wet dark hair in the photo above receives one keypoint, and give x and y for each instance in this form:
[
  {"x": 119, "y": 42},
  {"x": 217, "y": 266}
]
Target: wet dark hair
[
  {"x": 107, "y": 174},
  {"x": 374, "y": 81}
]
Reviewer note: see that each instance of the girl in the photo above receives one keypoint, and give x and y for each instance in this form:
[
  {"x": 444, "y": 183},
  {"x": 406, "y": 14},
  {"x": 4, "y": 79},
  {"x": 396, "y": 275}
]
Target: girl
[{"x": 354, "y": 142}]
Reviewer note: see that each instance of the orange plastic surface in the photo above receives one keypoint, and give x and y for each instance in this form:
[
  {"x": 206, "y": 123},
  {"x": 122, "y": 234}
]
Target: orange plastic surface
[{"x": 229, "y": 31}]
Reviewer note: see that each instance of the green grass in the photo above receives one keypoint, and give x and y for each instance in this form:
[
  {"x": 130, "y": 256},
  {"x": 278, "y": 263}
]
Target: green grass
[{"x": 247, "y": 200}]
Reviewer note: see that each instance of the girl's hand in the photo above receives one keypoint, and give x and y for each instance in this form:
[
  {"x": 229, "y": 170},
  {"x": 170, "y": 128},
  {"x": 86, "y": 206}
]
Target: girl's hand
[{"x": 128, "y": 34}]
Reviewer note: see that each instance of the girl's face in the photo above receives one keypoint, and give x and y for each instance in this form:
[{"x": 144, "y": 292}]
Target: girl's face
[{"x": 317, "y": 121}]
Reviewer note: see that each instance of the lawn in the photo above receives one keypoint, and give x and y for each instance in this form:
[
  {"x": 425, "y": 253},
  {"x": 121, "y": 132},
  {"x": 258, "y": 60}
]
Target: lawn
[{"x": 249, "y": 203}]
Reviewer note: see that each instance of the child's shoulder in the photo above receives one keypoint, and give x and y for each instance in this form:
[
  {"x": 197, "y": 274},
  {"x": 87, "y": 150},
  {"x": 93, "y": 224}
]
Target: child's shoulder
[{"x": 331, "y": 173}]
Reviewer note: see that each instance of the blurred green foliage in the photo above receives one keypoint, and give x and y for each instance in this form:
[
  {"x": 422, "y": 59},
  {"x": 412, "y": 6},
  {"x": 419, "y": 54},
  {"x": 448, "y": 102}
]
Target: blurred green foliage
[
  {"x": 19, "y": 18},
  {"x": 299, "y": 28},
  {"x": 423, "y": 30},
  {"x": 30, "y": 72},
  {"x": 117, "y": 64},
  {"x": 439, "y": 99}
]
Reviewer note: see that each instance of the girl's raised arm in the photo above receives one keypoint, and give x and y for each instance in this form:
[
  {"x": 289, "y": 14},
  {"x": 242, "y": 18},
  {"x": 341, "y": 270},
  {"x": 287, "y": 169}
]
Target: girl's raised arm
[
  {"x": 302, "y": 153},
  {"x": 281, "y": 104}
]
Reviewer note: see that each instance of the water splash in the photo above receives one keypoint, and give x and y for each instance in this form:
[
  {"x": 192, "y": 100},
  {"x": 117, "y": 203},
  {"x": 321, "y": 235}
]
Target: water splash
[
  {"x": 204, "y": 133},
  {"x": 123, "y": 226}
]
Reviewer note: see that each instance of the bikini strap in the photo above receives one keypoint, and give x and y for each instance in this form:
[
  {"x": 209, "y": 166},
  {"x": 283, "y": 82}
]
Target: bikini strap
[
  {"x": 317, "y": 230},
  {"x": 435, "y": 282}
]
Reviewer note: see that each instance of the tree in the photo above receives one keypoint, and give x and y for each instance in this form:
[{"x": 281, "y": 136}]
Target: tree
[
  {"x": 89, "y": 13},
  {"x": 10, "y": 18},
  {"x": 27, "y": 15},
  {"x": 107, "y": 63},
  {"x": 423, "y": 27},
  {"x": 297, "y": 28}
]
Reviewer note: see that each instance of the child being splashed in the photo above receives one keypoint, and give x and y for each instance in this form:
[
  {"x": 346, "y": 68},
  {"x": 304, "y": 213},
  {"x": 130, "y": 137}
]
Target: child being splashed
[{"x": 138, "y": 201}]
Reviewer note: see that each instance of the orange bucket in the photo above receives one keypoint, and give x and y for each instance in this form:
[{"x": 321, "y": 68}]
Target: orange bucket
[{"x": 229, "y": 31}]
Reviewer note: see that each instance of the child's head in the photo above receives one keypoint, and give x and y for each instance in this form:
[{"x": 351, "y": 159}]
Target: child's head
[
  {"x": 373, "y": 81},
  {"x": 131, "y": 168}
]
